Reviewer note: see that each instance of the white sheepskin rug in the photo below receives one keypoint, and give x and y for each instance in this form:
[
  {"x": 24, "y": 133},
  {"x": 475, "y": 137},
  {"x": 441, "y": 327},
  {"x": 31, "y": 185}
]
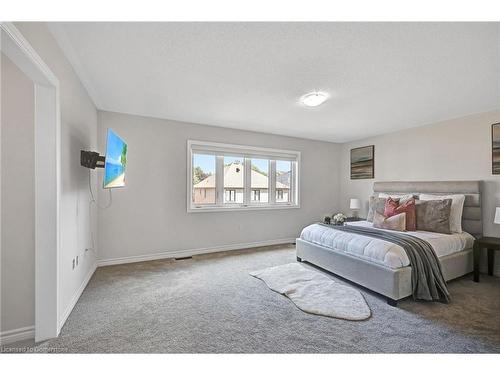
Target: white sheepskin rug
[{"x": 315, "y": 293}]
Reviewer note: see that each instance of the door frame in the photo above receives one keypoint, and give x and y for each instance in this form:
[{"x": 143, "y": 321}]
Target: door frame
[{"x": 47, "y": 177}]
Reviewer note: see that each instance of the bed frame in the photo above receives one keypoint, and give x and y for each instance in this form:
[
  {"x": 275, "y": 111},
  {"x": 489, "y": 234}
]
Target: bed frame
[{"x": 395, "y": 284}]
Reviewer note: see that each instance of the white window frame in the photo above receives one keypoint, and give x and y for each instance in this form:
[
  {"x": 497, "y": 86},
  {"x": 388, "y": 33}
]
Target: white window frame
[{"x": 248, "y": 153}]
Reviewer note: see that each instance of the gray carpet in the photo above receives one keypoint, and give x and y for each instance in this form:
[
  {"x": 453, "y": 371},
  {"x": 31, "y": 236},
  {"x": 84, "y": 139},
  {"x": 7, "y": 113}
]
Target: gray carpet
[{"x": 212, "y": 304}]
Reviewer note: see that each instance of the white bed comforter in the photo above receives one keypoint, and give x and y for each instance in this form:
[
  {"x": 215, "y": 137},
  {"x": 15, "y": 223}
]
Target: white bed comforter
[{"x": 380, "y": 251}]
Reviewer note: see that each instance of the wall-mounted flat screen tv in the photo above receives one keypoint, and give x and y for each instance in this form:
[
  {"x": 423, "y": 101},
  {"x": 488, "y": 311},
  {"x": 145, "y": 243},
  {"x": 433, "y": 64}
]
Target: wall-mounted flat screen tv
[{"x": 116, "y": 161}]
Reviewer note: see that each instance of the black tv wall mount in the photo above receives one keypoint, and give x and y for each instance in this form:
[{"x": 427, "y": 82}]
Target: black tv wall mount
[{"x": 91, "y": 159}]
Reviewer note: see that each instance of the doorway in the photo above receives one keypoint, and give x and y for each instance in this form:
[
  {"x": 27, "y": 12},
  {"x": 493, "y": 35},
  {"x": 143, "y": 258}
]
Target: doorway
[{"x": 46, "y": 178}]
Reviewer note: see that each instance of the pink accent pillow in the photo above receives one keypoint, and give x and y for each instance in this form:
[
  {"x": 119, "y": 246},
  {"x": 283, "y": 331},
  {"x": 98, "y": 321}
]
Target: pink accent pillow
[{"x": 392, "y": 208}]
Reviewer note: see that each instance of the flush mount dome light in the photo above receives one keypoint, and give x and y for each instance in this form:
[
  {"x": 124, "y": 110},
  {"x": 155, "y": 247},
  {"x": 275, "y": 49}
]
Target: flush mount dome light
[{"x": 314, "y": 99}]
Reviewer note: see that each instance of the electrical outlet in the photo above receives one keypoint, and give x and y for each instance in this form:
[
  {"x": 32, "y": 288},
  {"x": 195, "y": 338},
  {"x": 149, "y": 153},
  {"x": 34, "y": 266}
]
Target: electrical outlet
[{"x": 73, "y": 263}]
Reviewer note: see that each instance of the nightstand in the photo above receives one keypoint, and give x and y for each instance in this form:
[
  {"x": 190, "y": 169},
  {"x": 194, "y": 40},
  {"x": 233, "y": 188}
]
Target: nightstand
[
  {"x": 490, "y": 243},
  {"x": 349, "y": 219}
]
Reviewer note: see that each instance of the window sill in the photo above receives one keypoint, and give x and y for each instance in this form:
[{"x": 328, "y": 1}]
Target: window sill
[{"x": 242, "y": 208}]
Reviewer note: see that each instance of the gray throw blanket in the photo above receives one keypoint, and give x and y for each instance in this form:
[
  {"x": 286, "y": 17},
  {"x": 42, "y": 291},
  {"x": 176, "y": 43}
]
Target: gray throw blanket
[{"x": 427, "y": 278}]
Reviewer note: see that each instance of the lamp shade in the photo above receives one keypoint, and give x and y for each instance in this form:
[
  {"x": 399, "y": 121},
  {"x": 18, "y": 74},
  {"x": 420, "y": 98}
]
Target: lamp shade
[
  {"x": 355, "y": 204},
  {"x": 497, "y": 216}
]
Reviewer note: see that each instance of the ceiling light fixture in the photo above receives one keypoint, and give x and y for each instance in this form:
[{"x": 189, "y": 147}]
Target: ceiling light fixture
[{"x": 314, "y": 99}]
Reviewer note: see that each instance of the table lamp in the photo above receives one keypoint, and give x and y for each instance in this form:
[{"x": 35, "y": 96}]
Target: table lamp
[
  {"x": 497, "y": 216},
  {"x": 355, "y": 205}
]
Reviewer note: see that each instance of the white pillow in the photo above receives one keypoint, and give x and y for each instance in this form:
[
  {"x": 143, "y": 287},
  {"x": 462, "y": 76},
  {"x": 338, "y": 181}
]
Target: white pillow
[{"x": 457, "y": 207}]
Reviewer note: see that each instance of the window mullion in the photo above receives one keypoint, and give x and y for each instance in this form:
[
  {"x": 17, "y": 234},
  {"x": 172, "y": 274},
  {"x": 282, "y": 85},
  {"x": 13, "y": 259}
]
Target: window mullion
[
  {"x": 247, "y": 181},
  {"x": 219, "y": 178},
  {"x": 190, "y": 179},
  {"x": 272, "y": 182}
]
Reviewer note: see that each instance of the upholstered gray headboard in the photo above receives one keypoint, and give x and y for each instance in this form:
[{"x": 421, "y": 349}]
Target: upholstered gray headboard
[{"x": 472, "y": 215}]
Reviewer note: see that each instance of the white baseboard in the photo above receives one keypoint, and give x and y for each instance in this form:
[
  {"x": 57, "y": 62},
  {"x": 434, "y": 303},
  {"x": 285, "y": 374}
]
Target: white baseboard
[
  {"x": 18, "y": 334},
  {"x": 191, "y": 252},
  {"x": 76, "y": 297}
]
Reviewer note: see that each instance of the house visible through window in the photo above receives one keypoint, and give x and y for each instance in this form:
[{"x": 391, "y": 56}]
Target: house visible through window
[
  {"x": 234, "y": 176},
  {"x": 256, "y": 195},
  {"x": 279, "y": 194},
  {"x": 203, "y": 178},
  {"x": 230, "y": 195},
  {"x": 283, "y": 180},
  {"x": 259, "y": 180},
  {"x": 225, "y": 176}
]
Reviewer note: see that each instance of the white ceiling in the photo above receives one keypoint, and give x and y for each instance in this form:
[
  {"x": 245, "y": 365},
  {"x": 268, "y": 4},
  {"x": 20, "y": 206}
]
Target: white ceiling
[{"x": 382, "y": 77}]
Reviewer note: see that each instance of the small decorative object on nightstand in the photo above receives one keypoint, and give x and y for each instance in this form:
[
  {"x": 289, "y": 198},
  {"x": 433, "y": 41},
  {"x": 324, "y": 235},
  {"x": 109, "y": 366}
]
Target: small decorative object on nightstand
[
  {"x": 490, "y": 243},
  {"x": 338, "y": 219},
  {"x": 355, "y": 205}
]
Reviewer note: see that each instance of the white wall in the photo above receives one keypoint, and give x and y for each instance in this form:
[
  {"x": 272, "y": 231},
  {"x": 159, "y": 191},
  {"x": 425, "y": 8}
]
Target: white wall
[
  {"x": 149, "y": 215},
  {"x": 78, "y": 131},
  {"x": 458, "y": 149},
  {"x": 18, "y": 199}
]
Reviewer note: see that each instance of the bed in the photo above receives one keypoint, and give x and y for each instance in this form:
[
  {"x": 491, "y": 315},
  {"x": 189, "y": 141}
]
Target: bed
[{"x": 383, "y": 267}]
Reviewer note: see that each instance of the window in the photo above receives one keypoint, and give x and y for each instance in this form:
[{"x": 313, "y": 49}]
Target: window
[
  {"x": 279, "y": 195},
  {"x": 230, "y": 195},
  {"x": 259, "y": 180},
  {"x": 203, "y": 179},
  {"x": 229, "y": 177},
  {"x": 283, "y": 180},
  {"x": 256, "y": 195},
  {"x": 234, "y": 176}
]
